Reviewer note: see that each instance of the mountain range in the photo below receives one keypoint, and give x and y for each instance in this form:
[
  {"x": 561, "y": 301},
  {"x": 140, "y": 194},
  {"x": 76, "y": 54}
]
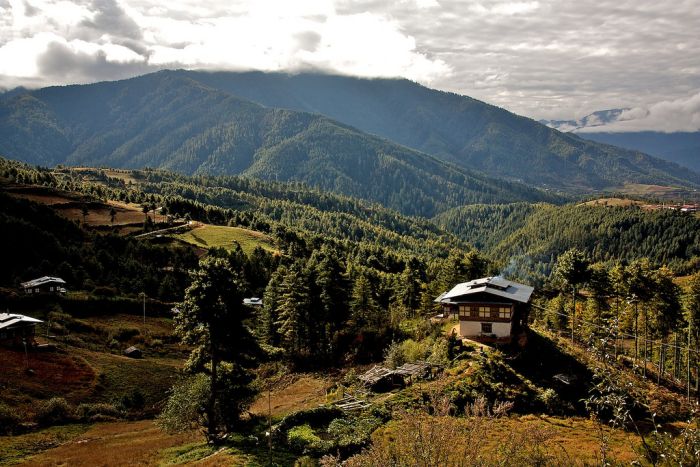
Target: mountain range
[
  {"x": 682, "y": 148},
  {"x": 392, "y": 141}
]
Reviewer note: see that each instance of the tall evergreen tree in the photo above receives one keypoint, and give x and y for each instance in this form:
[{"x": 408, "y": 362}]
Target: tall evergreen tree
[{"x": 211, "y": 319}]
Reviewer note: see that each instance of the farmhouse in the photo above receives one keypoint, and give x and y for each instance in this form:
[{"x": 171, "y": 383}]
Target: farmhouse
[
  {"x": 17, "y": 329},
  {"x": 253, "y": 301},
  {"x": 490, "y": 307},
  {"x": 44, "y": 285}
]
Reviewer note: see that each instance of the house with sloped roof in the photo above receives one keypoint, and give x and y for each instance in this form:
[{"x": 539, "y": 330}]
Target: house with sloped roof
[
  {"x": 15, "y": 330},
  {"x": 45, "y": 285},
  {"x": 490, "y": 307}
]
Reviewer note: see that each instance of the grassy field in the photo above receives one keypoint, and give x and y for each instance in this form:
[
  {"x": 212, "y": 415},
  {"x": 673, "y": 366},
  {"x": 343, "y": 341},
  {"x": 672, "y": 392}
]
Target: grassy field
[
  {"x": 303, "y": 393},
  {"x": 89, "y": 367},
  {"x": 210, "y": 236},
  {"x": 617, "y": 202},
  {"x": 118, "y": 443}
]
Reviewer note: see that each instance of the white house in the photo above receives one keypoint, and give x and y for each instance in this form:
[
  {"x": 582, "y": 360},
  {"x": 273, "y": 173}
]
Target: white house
[{"x": 490, "y": 307}]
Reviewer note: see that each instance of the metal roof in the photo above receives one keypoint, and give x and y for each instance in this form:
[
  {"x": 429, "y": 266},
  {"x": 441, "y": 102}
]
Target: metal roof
[
  {"x": 42, "y": 281},
  {"x": 8, "y": 320},
  {"x": 253, "y": 301},
  {"x": 497, "y": 286}
]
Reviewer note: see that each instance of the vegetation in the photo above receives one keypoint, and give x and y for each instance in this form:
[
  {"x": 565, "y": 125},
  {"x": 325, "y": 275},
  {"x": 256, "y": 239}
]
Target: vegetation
[
  {"x": 457, "y": 129},
  {"x": 211, "y": 320}
]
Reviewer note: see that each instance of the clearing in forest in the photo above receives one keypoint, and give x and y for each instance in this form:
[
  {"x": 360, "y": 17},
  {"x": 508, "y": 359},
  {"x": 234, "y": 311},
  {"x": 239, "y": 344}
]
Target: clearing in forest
[{"x": 218, "y": 236}]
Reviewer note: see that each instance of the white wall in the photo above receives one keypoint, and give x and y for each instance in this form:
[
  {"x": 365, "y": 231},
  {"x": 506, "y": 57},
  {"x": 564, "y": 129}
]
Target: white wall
[{"x": 473, "y": 328}]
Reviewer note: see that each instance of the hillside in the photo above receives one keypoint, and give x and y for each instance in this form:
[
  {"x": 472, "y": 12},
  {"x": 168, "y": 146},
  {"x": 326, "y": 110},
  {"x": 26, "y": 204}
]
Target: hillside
[
  {"x": 682, "y": 148},
  {"x": 167, "y": 120},
  {"x": 457, "y": 129},
  {"x": 526, "y": 239}
]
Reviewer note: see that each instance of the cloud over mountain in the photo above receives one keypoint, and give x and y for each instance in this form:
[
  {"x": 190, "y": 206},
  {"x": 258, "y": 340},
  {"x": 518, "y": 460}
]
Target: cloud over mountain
[{"x": 541, "y": 58}]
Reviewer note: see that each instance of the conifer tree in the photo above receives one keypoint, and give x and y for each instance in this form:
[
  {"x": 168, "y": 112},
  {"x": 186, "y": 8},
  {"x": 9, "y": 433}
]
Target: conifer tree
[{"x": 212, "y": 320}]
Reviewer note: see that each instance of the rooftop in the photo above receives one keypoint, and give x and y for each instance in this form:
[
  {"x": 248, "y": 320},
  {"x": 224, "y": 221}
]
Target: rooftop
[
  {"x": 8, "y": 320},
  {"x": 42, "y": 281},
  {"x": 497, "y": 286}
]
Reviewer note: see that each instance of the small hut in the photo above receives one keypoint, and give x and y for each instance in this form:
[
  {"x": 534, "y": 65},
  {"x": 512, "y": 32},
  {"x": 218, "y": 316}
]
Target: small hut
[
  {"x": 16, "y": 330},
  {"x": 133, "y": 352}
]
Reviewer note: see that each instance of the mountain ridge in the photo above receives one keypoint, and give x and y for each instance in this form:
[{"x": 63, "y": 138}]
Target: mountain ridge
[
  {"x": 168, "y": 121},
  {"x": 455, "y": 128}
]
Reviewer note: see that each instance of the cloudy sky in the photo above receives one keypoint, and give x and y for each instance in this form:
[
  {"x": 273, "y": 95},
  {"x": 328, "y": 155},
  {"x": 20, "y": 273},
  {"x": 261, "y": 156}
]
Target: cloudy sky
[{"x": 543, "y": 58}]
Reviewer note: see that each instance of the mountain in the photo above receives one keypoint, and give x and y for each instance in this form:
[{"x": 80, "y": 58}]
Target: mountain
[
  {"x": 682, "y": 148},
  {"x": 454, "y": 128},
  {"x": 167, "y": 120},
  {"x": 595, "y": 119}
]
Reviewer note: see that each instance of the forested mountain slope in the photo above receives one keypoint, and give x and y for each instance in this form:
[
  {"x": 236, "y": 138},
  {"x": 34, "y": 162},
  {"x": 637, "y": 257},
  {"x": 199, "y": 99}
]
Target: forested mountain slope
[
  {"x": 458, "y": 129},
  {"x": 683, "y": 148},
  {"x": 527, "y": 239},
  {"x": 169, "y": 121}
]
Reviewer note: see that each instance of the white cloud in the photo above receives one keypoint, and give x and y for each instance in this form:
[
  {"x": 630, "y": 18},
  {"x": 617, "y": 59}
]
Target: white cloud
[
  {"x": 542, "y": 58},
  {"x": 681, "y": 114},
  {"x": 263, "y": 35}
]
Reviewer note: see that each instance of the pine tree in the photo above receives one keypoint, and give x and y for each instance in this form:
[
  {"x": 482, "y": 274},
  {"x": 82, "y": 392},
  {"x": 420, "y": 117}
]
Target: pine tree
[
  {"x": 211, "y": 319},
  {"x": 292, "y": 313}
]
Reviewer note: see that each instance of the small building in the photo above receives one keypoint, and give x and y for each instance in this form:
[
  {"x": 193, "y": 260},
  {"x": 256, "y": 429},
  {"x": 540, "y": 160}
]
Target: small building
[
  {"x": 45, "y": 285},
  {"x": 133, "y": 352},
  {"x": 15, "y": 330},
  {"x": 253, "y": 301},
  {"x": 491, "y": 307}
]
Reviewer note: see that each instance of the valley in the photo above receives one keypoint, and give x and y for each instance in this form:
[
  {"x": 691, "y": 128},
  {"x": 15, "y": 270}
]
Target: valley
[{"x": 376, "y": 272}]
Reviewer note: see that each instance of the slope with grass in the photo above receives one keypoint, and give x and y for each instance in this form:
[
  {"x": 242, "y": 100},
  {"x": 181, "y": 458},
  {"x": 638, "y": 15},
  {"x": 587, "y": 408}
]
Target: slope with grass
[{"x": 219, "y": 236}]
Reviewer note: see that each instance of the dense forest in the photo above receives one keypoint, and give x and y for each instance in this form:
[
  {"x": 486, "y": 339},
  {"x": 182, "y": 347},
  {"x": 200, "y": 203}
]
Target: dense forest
[{"x": 526, "y": 239}]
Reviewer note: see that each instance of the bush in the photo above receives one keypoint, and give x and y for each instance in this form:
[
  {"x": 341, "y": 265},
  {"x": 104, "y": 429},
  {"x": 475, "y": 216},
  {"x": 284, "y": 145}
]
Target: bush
[
  {"x": 9, "y": 420},
  {"x": 133, "y": 400},
  {"x": 55, "y": 411},
  {"x": 124, "y": 334},
  {"x": 184, "y": 407},
  {"x": 319, "y": 416},
  {"x": 97, "y": 412},
  {"x": 303, "y": 439},
  {"x": 353, "y": 432},
  {"x": 301, "y": 436}
]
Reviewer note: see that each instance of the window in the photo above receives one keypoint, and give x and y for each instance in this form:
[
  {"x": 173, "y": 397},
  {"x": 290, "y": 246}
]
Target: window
[
  {"x": 484, "y": 312},
  {"x": 504, "y": 312},
  {"x": 463, "y": 311},
  {"x": 486, "y": 328},
  {"x": 36, "y": 290},
  {"x": 51, "y": 288}
]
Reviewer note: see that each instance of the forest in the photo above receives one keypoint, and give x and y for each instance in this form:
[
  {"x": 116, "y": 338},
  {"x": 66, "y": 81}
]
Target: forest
[{"x": 349, "y": 284}]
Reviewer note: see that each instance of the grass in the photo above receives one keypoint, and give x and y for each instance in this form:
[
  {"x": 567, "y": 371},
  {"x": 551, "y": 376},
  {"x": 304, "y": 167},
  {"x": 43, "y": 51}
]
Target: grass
[
  {"x": 118, "y": 443},
  {"x": 216, "y": 236},
  {"x": 190, "y": 452},
  {"x": 304, "y": 393},
  {"x": 14, "y": 449},
  {"x": 119, "y": 376}
]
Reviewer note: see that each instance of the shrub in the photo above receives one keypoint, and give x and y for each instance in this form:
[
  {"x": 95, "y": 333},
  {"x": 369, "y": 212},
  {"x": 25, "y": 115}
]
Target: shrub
[
  {"x": 353, "y": 432},
  {"x": 184, "y": 407},
  {"x": 55, "y": 411},
  {"x": 134, "y": 399},
  {"x": 124, "y": 334},
  {"x": 303, "y": 439},
  {"x": 97, "y": 412},
  {"x": 9, "y": 420},
  {"x": 299, "y": 437}
]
